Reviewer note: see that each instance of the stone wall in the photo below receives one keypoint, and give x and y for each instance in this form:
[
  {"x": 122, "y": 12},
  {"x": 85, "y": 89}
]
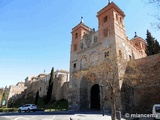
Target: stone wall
[
  {"x": 60, "y": 84},
  {"x": 140, "y": 97},
  {"x": 15, "y": 91},
  {"x": 39, "y": 83},
  {"x": 1, "y": 95}
]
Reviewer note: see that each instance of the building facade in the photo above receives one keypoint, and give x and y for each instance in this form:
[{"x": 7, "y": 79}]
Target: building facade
[
  {"x": 60, "y": 85},
  {"x": 40, "y": 83},
  {"x": 37, "y": 83},
  {"x": 90, "y": 47},
  {"x": 16, "y": 91}
]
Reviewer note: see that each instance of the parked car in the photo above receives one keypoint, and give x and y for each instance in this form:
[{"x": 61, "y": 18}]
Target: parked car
[
  {"x": 156, "y": 111},
  {"x": 27, "y": 108}
]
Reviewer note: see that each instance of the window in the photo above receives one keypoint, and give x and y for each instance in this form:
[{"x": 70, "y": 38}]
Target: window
[
  {"x": 76, "y": 35},
  {"x": 117, "y": 17},
  {"x": 121, "y": 20},
  {"x": 75, "y": 47},
  {"x": 106, "y": 19},
  {"x": 120, "y": 53},
  {"x": 130, "y": 57},
  {"x": 74, "y": 65},
  {"x": 106, "y": 54},
  {"x": 136, "y": 44}
]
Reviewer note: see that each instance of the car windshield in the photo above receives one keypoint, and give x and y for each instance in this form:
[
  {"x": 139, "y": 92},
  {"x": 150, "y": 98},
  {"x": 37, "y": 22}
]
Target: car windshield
[
  {"x": 25, "y": 105},
  {"x": 158, "y": 109}
]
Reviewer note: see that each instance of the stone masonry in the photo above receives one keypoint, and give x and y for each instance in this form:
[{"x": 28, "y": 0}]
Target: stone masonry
[{"x": 90, "y": 47}]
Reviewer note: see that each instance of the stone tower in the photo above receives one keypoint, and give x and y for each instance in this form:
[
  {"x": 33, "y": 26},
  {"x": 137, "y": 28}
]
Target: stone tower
[
  {"x": 111, "y": 26},
  {"x": 77, "y": 34},
  {"x": 90, "y": 47}
]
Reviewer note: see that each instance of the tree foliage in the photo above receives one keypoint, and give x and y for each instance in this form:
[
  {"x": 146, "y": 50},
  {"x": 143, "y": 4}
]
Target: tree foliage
[
  {"x": 37, "y": 97},
  {"x": 156, "y": 4},
  {"x": 140, "y": 88},
  {"x": 153, "y": 46},
  {"x": 50, "y": 87},
  {"x": 110, "y": 73}
]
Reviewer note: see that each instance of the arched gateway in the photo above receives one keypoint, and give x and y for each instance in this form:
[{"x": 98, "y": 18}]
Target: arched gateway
[
  {"x": 89, "y": 95},
  {"x": 95, "y": 97}
]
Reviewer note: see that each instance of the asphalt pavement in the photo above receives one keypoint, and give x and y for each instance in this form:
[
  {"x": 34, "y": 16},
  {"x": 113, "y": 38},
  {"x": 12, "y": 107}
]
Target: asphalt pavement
[
  {"x": 61, "y": 115},
  {"x": 3, "y": 118}
]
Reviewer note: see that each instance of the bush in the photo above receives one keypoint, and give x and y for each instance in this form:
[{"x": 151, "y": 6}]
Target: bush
[
  {"x": 8, "y": 109},
  {"x": 61, "y": 104}
]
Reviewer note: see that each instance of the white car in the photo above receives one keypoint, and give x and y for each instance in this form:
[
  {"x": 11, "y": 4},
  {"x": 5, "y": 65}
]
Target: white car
[
  {"x": 156, "y": 111},
  {"x": 27, "y": 108}
]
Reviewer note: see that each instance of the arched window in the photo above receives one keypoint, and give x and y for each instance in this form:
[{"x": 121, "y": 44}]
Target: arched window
[
  {"x": 120, "y": 20},
  {"x": 105, "y": 19},
  {"x": 83, "y": 62},
  {"x": 130, "y": 57},
  {"x": 120, "y": 53},
  {"x": 117, "y": 17},
  {"x": 93, "y": 58},
  {"x": 106, "y": 54},
  {"x": 76, "y": 35}
]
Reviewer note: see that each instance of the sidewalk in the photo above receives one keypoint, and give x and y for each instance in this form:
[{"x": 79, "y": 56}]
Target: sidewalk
[{"x": 90, "y": 117}]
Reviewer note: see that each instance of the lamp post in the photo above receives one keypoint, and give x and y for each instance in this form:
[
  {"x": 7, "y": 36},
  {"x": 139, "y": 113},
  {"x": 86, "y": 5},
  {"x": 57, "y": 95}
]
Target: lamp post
[{"x": 102, "y": 99}]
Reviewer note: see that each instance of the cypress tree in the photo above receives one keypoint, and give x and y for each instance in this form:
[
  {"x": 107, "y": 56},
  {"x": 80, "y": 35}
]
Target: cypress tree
[
  {"x": 50, "y": 87},
  {"x": 36, "y": 98},
  {"x": 152, "y": 44},
  {"x": 157, "y": 47}
]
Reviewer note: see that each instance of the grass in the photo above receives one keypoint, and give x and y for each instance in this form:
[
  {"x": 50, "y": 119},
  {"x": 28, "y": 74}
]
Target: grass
[{"x": 8, "y": 109}]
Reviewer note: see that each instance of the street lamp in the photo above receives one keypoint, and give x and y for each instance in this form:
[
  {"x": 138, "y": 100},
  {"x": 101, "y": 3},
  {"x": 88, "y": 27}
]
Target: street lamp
[{"x": 102, "y": 99}]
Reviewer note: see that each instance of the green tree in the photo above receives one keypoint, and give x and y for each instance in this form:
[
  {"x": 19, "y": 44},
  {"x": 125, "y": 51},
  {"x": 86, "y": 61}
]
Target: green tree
[
  {"x": 157, "y": 47},
  {"x": 37, "y": 97},
  {"x": 50, "y": 87},
  {"x": 152, "y": 44}
]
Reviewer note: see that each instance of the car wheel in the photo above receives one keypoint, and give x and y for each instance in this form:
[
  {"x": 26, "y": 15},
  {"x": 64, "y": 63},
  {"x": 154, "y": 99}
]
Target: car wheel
[
  {"x": 28, "y": 110},
  {"x": 19, "y": 110}
]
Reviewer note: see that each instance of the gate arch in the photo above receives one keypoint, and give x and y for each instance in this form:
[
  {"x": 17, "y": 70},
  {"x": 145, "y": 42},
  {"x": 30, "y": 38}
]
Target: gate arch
[{"x": 95, "y": 97}]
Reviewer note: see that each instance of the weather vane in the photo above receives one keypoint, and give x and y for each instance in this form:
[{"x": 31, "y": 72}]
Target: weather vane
[
  {"x": 82, "y": 20},
  {"x": 109, "y": 1}
]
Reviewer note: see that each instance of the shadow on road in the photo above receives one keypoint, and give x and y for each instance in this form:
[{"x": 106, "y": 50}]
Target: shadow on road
[{"x": 51, "y": 113}]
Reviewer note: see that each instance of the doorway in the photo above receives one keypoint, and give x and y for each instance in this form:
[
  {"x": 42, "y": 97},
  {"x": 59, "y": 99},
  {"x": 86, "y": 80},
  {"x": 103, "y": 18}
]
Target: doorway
[{"x": 95, "y": 97}]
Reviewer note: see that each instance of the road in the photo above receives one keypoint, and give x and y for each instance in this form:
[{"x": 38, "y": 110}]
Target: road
[{"x": 40, "y": 115}]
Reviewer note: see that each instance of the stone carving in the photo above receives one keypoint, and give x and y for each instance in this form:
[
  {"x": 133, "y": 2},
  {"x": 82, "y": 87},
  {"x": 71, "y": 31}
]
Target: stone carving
[
  {"x": 87, "y": 40},
  {"x": 82, "y": 45}
]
